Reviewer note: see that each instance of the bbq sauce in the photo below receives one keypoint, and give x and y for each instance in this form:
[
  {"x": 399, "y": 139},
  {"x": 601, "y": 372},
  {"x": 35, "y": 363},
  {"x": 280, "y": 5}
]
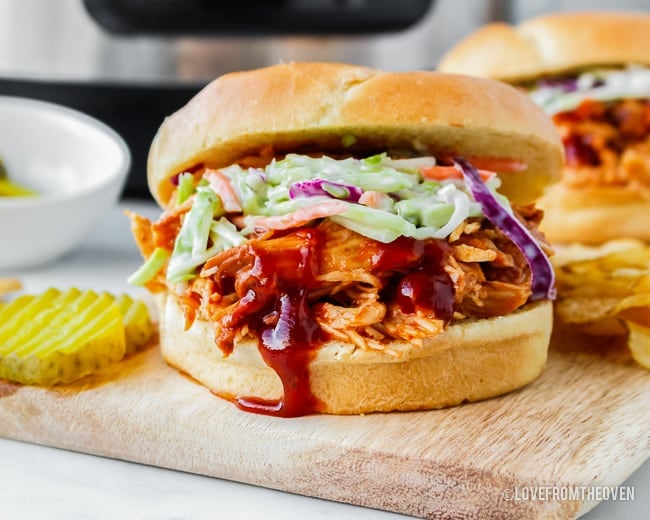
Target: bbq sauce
[
  {"x": 275, "y": 308},
  {"x": 273, "y": 302},
  {"x": 288, "y": 347},
  {"x": 428, "y": 287},
  {"x": 580, "y": 152},
  {"x": 401, "y": 253}
]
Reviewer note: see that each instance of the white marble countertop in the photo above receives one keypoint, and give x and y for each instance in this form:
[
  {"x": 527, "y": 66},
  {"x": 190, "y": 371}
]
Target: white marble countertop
[{"x": 47, "y": 483}]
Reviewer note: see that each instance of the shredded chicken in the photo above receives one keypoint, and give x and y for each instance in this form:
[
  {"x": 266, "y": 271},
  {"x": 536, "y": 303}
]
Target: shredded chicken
[
  {"x": 352, "y": 282},
  {"x": 489, "y": 274},
  {"x": 168, "y": 225},
  {"x": 607, "y": 144},
  {"x": 467, "y": 253},
  {"x": 338, "y": 317},
  {"x": 413, "y": 327},
  {"x": 142, "y": 233}
]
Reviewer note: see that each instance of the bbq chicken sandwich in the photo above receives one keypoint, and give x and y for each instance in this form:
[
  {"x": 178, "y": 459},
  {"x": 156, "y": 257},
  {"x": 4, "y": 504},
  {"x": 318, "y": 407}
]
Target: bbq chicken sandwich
[
  {"x": 343, "y": 240},
  {"x": 590, "y": 72}
]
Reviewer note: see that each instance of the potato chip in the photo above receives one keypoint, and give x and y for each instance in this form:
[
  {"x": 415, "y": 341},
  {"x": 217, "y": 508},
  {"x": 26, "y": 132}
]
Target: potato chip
[
  {"x": 8, "y": 285},
  {"x": 639, "y": 343},
  {"x": 579, "y": 253},
  {"x": 605, "y": 290},
  {"x": 581, "y": 309}
]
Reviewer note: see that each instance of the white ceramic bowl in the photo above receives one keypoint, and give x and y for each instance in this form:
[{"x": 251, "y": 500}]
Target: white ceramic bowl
[{"x": 78, "y": 166}]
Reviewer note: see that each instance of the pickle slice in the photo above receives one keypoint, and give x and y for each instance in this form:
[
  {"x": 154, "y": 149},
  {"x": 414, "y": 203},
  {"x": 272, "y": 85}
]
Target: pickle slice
[
  {"x": 57, "y": 337},
  {"x": 138, "y": 327}
]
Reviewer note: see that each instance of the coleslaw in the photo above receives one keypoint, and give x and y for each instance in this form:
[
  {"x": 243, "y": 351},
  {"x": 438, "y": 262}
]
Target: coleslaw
[
  {"x": 378, "y": 197},
  {"x": 562, "y": 95}
]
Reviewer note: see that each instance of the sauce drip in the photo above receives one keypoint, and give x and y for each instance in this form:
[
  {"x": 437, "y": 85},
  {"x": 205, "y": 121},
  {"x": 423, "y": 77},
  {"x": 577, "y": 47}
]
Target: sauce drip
[
  {"x": 274, "y": 305},
  {"x": 273, "y": 288},
  {"x": 288, "y": 348}
]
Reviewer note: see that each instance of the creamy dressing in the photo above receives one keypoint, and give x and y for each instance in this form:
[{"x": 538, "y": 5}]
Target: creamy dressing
[{"x": 598, "y": 85}]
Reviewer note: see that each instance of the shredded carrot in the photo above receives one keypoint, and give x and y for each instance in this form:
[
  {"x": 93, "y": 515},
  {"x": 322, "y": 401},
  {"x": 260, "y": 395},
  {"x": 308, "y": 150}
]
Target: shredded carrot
[
  {"x": 444, "y": 173},
  {"x": 498, "y": 164},
  {"x": 371, "y": 199},
  {"x": 301, "y": 216},
  {"x": 223, "y": 187}
]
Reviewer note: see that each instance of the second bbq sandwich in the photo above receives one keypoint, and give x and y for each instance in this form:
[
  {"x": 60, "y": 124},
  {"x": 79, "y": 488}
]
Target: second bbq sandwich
[{"x": 590, "y": 72}]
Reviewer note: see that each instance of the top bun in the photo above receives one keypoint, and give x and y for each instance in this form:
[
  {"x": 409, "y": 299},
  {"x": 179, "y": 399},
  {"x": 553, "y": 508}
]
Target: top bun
[
  {"x": 552, "y": 44},
  {"x": 311, "y": 107}
]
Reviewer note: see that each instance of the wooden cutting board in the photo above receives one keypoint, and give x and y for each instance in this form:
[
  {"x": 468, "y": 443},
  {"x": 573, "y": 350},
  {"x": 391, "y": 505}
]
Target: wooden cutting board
[{"x": 584, "y": 422}]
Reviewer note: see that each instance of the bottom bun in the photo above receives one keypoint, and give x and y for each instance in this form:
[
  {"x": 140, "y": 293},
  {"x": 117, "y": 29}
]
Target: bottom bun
[
  {"x": 594, "y": 216},
  {"x": 469, "y": 361}
]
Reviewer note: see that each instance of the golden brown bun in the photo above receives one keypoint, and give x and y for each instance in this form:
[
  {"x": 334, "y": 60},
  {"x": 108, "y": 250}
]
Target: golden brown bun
[
  {"x": 594, "y": 216},
  {"x": 552, "y": 44},
  {"x": 311, "y": 106},
  {"x": 469, "y": 361}
]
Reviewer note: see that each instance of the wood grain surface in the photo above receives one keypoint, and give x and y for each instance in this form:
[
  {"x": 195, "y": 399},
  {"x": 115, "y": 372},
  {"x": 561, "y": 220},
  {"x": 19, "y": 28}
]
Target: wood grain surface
[{"x": 584, "y": 422}]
